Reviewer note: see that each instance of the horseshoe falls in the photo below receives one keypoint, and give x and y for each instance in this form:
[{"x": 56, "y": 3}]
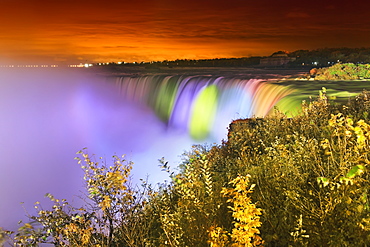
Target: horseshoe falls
[
  {"x": 47, "y": 115},
  {"x": 202, "y": 106}
]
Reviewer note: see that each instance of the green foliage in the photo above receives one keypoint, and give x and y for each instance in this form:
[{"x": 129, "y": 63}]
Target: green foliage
[
  {"x": 245, "y": 213},
  {"x": 346, "y": 71},
  {"x": 3, "y": 236},
  {"x": 196, "y": 210},
  {"x": 311, "y": 173},
  {"x": 193, "y": 203},
  {"x": 113, "y": 215}
]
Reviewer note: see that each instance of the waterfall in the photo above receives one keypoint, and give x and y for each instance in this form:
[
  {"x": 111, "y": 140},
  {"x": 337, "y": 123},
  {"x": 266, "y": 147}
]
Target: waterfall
[{"x": 203, "y": 106}]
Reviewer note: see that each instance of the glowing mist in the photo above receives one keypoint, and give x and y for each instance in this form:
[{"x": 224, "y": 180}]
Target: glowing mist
[{"x": 49, "y": 115}]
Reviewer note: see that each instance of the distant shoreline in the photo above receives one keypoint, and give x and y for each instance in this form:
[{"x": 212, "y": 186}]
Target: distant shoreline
[
  {"x": 135, "y": 71},
  {"x": 257, "y": 73}
]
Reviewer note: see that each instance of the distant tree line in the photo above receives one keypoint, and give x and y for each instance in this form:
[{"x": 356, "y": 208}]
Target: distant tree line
[
  {"x": 323, "y": 57},
  {"x": 330, "y": 56},
  {"x": 217, "y": 62}
]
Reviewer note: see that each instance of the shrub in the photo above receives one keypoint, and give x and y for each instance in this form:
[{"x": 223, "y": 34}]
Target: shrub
[
  {"x": 310, "y": 173},
  {"x": 113, "y": 215},
  {"x": 346, "y": 71}
]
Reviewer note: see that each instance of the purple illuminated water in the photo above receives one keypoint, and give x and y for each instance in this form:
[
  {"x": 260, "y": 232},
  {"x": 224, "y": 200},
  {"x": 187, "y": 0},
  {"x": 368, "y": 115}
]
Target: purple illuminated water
[{"x": 46, "y": 116}]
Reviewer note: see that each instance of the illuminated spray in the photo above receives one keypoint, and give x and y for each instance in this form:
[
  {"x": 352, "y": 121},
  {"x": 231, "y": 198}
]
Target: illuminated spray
[
  {"x": 47, "y": 116},
  {"x": 203, "y": 106}
]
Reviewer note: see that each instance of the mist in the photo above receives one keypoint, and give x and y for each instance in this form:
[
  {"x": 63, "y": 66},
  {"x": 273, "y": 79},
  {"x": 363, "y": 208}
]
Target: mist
[{"x": 47, "y": 115}]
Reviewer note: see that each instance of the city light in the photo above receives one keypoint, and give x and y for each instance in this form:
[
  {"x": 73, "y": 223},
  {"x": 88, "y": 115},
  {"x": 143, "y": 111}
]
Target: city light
[{"x": 29, "y": 66}]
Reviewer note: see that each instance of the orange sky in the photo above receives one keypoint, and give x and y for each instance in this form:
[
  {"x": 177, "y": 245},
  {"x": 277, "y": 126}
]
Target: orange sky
[{"x": 71, "y": 31}]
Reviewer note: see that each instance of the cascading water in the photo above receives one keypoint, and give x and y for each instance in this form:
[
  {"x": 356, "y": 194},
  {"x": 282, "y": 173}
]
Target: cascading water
[
  {"x": 203, "y": 106},
  {"x": 46, "y": 117}
]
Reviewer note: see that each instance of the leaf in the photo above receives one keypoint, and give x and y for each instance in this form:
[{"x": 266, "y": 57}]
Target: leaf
[
  {"x": 324, "y": 181},
  {"x": 356, "y": 170}
]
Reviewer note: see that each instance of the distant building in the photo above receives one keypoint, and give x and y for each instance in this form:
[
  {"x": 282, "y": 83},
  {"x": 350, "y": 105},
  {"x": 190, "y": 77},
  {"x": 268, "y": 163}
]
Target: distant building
[{"x": 276, "y": 60}]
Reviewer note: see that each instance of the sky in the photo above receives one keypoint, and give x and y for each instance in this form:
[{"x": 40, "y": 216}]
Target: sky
[{"x": 73, "y": 31}]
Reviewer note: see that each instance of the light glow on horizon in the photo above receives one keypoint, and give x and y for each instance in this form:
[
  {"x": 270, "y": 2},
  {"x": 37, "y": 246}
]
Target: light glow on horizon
[{"x": 96, "y": 31}]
